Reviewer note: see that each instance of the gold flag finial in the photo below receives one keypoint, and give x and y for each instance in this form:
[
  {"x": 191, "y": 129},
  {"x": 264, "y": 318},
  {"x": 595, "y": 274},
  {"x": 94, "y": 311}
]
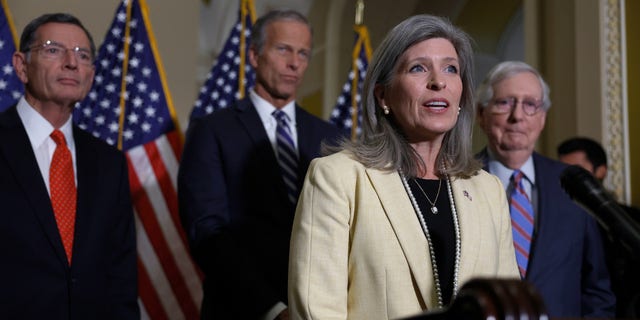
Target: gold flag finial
[{"x": 359, "y": 12}]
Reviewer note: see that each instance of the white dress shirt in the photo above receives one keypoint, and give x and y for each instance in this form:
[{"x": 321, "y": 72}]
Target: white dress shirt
[{"x": 39, "y": 131}]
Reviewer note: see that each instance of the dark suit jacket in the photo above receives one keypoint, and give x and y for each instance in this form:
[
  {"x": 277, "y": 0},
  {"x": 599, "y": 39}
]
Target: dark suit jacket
[
  {"x": 235, "y": 211},
  {"x": 566, "y": 261},
  {"x": 35, "y": 279}
]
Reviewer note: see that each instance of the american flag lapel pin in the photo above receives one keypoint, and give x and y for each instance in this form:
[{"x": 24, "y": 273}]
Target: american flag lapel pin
[{"x": 466, "y": 194}]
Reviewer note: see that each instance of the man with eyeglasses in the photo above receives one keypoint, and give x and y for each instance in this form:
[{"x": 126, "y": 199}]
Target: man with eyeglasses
[
  {"x": 558, "y": 246},
  {"x": 67, "y": 232}
]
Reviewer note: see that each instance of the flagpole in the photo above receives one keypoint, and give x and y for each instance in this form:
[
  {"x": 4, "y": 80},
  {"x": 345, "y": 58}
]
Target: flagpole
[
  {"x": 125, "y": 67},
  {"x": 359, "y": 20},
  {"x": 359, "y": 12}
]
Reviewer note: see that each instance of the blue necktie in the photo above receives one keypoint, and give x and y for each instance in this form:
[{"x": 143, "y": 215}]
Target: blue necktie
[
  {"x": 521, "y": 221},
  {"x": 287, "y": 155}
]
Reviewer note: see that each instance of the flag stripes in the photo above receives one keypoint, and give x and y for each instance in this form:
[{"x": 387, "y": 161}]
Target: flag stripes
[{"x": 130, "y": 106}]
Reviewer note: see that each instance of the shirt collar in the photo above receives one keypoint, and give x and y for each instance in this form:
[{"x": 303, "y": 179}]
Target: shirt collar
[
  {"x": 504, "y": 173},
  {"x": 38, "y": 128},
  {"x": 265, "y": 109}
]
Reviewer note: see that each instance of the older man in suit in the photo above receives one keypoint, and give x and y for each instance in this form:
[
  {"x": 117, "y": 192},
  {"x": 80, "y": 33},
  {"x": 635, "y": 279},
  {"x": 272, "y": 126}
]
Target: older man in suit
[
  {"x": 67, "y": 231},
  {"x": 558, "y": 247},
  {"x": 240, "y": 175}
]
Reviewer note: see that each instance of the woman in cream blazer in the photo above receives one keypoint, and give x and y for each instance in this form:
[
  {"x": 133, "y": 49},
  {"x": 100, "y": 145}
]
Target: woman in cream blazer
[{"x": 361, "y": 247}]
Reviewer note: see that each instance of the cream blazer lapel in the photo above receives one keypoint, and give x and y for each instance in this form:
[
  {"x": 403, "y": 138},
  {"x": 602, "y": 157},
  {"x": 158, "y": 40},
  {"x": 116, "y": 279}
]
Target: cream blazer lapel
[
  {"x": 396, "y": 204},
  {"x": 463, "y": 196}
]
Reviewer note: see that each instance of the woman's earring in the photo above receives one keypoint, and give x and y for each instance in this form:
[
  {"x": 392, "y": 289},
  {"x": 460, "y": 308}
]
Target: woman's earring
[
  {"x": 385, "y": 109},
  {"x": 459, "y": 110}
]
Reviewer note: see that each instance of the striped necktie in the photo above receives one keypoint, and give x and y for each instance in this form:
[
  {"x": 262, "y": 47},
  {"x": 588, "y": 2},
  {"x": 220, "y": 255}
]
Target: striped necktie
[
  {"x": 287, "y": 155},
  {"x": 521, "y": 221},
  {"x": 62, "y": 187}
]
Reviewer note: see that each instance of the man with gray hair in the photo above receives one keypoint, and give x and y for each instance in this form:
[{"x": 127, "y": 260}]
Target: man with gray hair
[
  {"x": 240, "y": 175},
  {"x": 558, "y": 246}
]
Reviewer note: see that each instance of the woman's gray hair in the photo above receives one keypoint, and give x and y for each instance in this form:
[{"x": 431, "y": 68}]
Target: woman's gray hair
[
  {"x": 382, "y": 144},
  {"x": 504, "y": 70}
]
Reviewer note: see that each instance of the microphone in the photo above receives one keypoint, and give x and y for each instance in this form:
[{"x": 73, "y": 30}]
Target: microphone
[{"x": 585, "y": 190}]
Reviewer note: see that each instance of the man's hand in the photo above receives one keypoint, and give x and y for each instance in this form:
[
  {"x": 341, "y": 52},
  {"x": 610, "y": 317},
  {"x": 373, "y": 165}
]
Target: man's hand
[{"x": 284, "y": 315}]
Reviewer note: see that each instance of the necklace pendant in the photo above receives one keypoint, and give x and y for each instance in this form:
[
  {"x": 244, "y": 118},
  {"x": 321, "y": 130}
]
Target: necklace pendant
[{"x": 434, "y": 210}]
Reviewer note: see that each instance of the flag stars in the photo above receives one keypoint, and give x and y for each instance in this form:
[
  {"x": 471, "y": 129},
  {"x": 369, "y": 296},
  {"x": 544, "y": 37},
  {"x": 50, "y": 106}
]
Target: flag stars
[
  {"x": 111, "y": 87},
  {"x": 3, "y": 85},
  {"x": 137, "y": 102},
  {"x": 154, "y": 96},
  {"x": 105, "y": 104},
  {"x": 100, "y": 120},
  {"x": 128, "y": 134},
  {"x": 150, "y": 112},
  {"x": 7, "y": 69},
  {"x": 134, "y": 62},
  {"x": 113, "y": 127},
  {"x": 116, "y": 32},
  {"x": 146, "y": 127},
  {"x": 122, "y": 17},
  {"x": 138, "y": 47},
  {"x": 146, "y": 71},
  {"x": 142, "y": 87},
  {"x": 133, "y": 118}
]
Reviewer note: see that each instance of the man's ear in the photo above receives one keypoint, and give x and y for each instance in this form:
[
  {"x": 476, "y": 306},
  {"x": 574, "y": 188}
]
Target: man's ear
[
  {"x": 19, "y": 60},
  {"x": 600, "y": 172},
  {"x": 253, "y": 57}
]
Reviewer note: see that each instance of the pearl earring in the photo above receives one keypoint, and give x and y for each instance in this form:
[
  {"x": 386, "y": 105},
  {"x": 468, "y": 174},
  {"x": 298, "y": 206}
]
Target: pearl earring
[
  {"x": 385, "y": 109},
  {"x": 459, "y": 110}
]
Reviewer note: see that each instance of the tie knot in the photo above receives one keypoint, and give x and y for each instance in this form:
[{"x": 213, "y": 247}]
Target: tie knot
[
  {"x": 58, "y": 137},
  {"x": 281, "y": 117},
  {"x": 517, "y": 176}
]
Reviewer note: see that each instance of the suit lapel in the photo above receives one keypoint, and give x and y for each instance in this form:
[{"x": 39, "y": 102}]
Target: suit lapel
[
  {"x": 16, "y": 149},
  {"x": 253, "y": 127},
  {"x": 87, "y": 165},
  {"x": 470, "y": 233},
  {"x": 402, "y": 217}
]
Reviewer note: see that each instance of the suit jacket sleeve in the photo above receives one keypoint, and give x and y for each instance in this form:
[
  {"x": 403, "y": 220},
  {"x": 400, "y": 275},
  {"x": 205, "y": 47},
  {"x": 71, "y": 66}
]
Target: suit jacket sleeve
[
  {"x": 318, "y": 264},
  {"x": 123, "y": 289},
  {"x": 597, "y": 298},
  {"x": 217, "y": 241}
]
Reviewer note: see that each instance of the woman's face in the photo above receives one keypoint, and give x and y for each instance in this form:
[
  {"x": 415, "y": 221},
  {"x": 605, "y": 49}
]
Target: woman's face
[{"x": 424, "y": 94}]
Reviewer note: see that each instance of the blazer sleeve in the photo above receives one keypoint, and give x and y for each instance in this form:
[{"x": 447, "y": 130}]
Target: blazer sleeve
[
  {"x": 597, "y": 298},
  {"x": 318, "y": 264}
]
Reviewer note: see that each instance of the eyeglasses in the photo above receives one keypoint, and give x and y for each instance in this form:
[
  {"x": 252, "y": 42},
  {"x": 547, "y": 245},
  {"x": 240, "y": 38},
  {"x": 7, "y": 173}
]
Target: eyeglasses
[
  {"x": 56, "y": 51},
  {"x": 506, "y": 105}
]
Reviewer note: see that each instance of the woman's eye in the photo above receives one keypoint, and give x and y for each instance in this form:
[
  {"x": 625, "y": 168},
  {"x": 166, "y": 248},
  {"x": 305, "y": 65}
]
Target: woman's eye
[
  {"x": 417, "y": 68},
  {"x": 452, "y": 69}
]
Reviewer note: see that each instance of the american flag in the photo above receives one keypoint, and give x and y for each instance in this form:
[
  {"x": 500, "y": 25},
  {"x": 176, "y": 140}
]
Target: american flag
[
  {"x": 348, "y": 109},
  {"x": 231, "y": 75},
  {"x": 11, "y": 87},
  {"x": 130, "y": 106}
]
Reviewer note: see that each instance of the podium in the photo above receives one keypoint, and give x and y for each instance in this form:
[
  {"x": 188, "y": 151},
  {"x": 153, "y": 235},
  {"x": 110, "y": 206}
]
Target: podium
[{"x": 492, "y": 299}]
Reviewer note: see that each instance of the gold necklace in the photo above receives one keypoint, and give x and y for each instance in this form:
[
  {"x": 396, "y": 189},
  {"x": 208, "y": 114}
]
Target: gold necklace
[{"x": 434, "y": 209}]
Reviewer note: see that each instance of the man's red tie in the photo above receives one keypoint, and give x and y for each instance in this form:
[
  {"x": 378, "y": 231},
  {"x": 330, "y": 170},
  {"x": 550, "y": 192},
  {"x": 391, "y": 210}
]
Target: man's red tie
[{"x": 63, "y": 191}]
